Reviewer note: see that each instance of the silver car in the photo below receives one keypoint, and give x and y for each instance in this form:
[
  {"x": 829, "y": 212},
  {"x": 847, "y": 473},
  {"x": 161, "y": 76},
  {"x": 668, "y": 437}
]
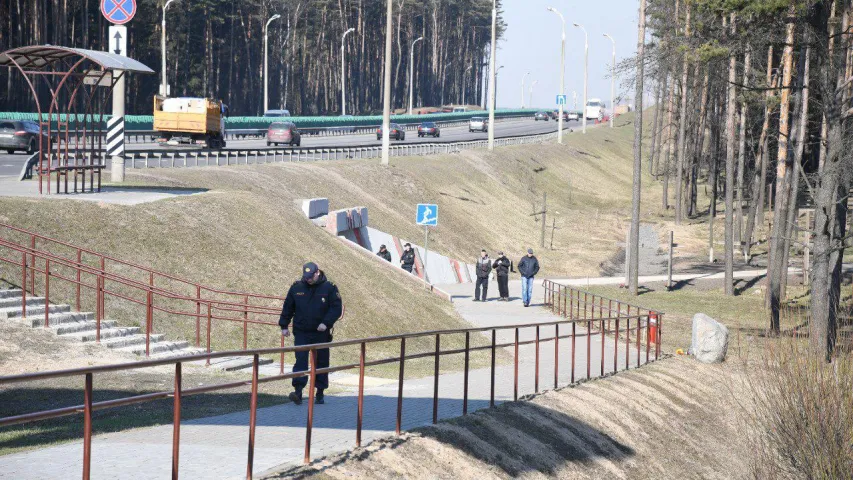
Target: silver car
[
  {"x": 20, "y": 135},
  {"x": 478, "y": 124}
]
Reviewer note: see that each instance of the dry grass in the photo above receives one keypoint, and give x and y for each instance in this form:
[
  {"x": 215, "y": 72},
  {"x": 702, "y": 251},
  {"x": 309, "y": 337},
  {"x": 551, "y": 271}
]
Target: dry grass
[{"x": 803, "y": 414}]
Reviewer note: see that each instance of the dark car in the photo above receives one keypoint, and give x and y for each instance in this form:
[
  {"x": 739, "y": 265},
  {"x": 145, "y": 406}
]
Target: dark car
[
  {"x": 396, "y": 133},
  {"x": 283, "y": 132},
  {"x": 429, "y": 128},
  {"x": 541, "y": 116},
  {"x": 19, "y": 135}
]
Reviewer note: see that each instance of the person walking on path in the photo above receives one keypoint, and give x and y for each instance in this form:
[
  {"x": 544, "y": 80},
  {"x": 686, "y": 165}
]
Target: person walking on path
[
  {"x": 484, "y": 269},
  {"x": 314, "y": 304},
  {"x": 503, "y": 266},
  {"x": 528, "y": 267},
  {"x": 384, "y": 253},
  {"x": 407, "y": 260}
]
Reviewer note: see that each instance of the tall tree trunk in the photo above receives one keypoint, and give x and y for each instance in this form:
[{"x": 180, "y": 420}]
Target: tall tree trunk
[
  {"x": 777, "y": 242},
  {"x": 731, "y": 106},
  {"x": 755, "y": 216},
  {"x": 741, "y": 157},
  {"x": 634, "y": 265},
  {"x": 659, "y": 126},
  {"x": 670, "y": 140},
  {"x": 655, "y": 119},
  {"x": 682, "y": 126}
]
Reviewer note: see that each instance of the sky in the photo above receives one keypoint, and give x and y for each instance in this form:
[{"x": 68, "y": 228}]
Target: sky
[{"x": 532, "y": 43}]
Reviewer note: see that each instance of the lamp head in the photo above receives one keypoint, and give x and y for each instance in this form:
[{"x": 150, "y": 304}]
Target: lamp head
[{"x": 275, "y": 17}]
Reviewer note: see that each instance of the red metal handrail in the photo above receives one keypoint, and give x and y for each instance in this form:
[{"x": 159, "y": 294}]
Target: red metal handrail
[
  {"x": 35, "y": 261},
  {"x": 594, "y": 327}
]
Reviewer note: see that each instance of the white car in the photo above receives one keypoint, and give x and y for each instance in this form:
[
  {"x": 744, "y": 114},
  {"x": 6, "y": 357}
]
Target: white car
[
  {"x": 594, "y": 109},
  {"x": 478, "y": 124},
  {"x": 574, "y": 116}
]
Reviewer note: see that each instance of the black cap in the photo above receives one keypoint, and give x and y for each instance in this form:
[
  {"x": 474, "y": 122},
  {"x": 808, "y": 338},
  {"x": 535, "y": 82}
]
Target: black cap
[
  {"x": 530, "y": 250},
  {"x": 407, "y": 245},
  {"x": 381, "y": 247},
  {"x": 308, "y": 270}
]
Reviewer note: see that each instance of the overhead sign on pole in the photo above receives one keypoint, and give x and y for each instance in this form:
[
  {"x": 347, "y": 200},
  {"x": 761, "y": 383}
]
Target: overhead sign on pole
[
  {"x": 118, "y": 12},
  {"x": 561, "y": 99},
  {"x": 427, "y": 215},
  {"x": 118, "y": 39}
]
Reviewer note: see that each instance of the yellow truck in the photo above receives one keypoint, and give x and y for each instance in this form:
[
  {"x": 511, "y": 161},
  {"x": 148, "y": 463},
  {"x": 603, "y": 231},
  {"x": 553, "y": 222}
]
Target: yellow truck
[{"x": 186, "y": 120}]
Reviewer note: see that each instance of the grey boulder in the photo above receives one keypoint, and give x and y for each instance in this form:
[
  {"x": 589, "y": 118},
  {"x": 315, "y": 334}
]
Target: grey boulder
[{"x": 710, "y": 339}]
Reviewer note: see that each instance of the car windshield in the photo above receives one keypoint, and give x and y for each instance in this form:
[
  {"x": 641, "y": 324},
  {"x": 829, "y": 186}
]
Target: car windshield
[
  {"x": 278, "y": 126},
  {"x": 477, "y": 119},
  {"x": 428, "y": 125},
  {"x": 593, "y": 104}
]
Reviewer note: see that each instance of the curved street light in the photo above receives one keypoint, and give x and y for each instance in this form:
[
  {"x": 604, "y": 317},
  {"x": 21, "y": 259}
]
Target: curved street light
[
  {"x": 562, "y": 71},
  {"x": 531, "y": 91},
  {"x": 585, "y": 75},
  {"x": 343, "y": 73},
  {"x": 612, "y": 82},
  {"x": 266, "y": 72},
  {"x": 522, "y": 88},
  {"x": 412, "y": 73}
]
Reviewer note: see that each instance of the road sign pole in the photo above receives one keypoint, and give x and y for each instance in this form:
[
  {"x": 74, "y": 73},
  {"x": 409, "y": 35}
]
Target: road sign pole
[
  {"x": 426, "y": 248},
  {"x": 115, "y": 135}
]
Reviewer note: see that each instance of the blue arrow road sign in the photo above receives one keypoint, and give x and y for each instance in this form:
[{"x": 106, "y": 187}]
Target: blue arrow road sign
[
  {"x": 561, "y": 99},
  {"x": 427, "y": 214},
  {"x": 118, "y": 12}
]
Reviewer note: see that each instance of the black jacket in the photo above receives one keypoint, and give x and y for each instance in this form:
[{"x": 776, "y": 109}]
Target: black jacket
[
  {"x": 484, "y": 267},
  {"x": 503, "y": 266},
  {"x": 386, "y": 255},
  {"x": 310, "y": 305},
  {"x": 408, "y": 259},
  {"x": 528, "y": 267}
]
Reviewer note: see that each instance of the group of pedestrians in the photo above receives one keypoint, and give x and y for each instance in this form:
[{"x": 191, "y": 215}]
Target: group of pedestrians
[
  {"x": 407, "y": 259},
  {"x": 528, "y": 267}
]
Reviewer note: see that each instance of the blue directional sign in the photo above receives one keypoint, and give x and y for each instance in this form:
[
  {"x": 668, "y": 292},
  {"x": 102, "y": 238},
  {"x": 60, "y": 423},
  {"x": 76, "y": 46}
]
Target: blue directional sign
[
  {"x": 118, "y": 12},
  {"x": 427, "y": 215},
  {"x": 561, "y": 99}
]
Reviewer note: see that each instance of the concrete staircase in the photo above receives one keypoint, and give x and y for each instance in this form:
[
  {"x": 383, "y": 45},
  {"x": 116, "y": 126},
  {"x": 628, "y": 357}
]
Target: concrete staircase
[{"x": 81, "y": 327}]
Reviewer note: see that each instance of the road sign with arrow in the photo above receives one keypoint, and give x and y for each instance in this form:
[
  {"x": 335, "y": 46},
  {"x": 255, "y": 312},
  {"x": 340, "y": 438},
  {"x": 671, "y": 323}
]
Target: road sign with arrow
[{"x": 118, "y": 40}]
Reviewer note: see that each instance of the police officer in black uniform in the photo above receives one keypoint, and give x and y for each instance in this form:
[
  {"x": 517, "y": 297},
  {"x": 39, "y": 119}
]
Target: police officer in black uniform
[
  {"x": 314, "y": 305},
  {"x": 383, "y": 253},
  {"x": 407, "y": 260}
]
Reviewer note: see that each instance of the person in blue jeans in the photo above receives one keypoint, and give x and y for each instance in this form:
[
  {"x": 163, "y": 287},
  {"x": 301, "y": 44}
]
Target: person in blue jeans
[{"x": 528, "y": 267}]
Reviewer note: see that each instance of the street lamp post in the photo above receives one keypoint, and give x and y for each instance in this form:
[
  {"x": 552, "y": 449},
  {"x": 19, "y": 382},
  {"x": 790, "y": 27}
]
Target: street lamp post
[
  {"x": 562, "y": 72},
  {"x": 495, "y": 96},
  {"x": 344, "y": 73},
  {"x": 386, "y": 87},
  {"x": 612, "y": 82},
  {"x": 443, "y": 79},
  {"x": 522, "y": 88},
  {"x": 585, "y": 76},
  {"x": 531, "y": 91},
  {"x": 163, "y": 87},
  {"x": 492, "y": 79},
  {"x": 412, "y": 73},
  {"x": 464, "y": 84},
  {"x": 266, "y": 69}
]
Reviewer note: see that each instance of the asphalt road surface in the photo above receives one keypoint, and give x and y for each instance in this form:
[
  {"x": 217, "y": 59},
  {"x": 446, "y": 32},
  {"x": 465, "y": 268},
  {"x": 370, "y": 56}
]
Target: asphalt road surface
[{"x": 10, "y": 165}]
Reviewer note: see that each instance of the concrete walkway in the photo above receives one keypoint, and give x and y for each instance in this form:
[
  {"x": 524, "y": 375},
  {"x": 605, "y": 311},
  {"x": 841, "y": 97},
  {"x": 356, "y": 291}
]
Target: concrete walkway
[
  {"x": 11, "y": 187},
  {"x": 216, "y": 447}
]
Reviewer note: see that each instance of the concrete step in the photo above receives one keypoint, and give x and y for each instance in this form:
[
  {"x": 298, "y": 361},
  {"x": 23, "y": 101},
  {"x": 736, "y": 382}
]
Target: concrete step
[
  {"x": 56, "y": 319},
  {"x": 10, "y": 293},
  {"x": 156, "y": 348},
  {"x": 185, "y": 352},
  {"x": 231, "y": 364},
  {"x": 75, "y": 327},
  {"x": 132, "y": 341},
  {"x": 15, "y": 302},
  {"x": 15, "y": 312},
  {"x": 106, "y": 333}
]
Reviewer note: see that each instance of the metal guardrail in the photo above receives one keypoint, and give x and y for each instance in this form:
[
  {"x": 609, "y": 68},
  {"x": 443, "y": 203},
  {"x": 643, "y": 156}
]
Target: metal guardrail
[
  {"x": 199, "y": 158},
  {"x": 593, "y": 327},
  {"x": 149, "y": 136}
]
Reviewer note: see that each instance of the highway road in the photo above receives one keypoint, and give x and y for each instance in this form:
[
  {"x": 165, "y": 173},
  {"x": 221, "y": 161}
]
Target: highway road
[{"x": 10, "y": 165}]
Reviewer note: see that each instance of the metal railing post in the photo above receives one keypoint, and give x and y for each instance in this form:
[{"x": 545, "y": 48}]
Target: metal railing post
[
  {"x": 588, "y": 348},
  {"x": 23, "y": 284},
  {"x": 536, "y": 375},
  {"x": 253, "y": 416},
  {"x": 208, "y": 332},
  {"x": 492, "y": 389},
  {"x": 311, "y": 386},
  {"x": 400, "y": 385},
  {"x": 602, "y": 347},
  {"x": 176, "y": 421},
  {"x": 574, "y": 327},
  {"x": 246, "y": 323},
  {"x": 360, "y": 415},
  {"x": 87, "y": 427},
  {"x": 435, "y": 391},
  {"x": 515, "y": 364},
  {"x": 627, "y": 343},
  {"x": 198, "y": 316},
  {"x": 616, "y": 348},
  {"x": 77, "y": 268},
  {"x": 465, "y": 381},
  {"x": 556, "y": 355},
  {"x": 47, "y": 293}
]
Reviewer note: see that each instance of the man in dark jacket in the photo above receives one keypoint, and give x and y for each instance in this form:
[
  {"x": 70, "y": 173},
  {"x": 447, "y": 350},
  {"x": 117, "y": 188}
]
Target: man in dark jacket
[
  {"x": 384, "y": 253},
  {"x": 483, "y": 268},
  {"x": 502, "y": 268},
  {"x": 314, "y": 305},
  {"x": 528, "y": 267},
  {"x": 407, "y": 260}
]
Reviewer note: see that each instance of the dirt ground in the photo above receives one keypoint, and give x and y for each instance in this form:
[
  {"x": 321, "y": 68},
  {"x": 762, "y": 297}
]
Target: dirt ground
[{"x": 675, "y": 418}]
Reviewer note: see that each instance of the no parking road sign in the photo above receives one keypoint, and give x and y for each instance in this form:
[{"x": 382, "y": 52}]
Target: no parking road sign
[
  {"x": 427, "y": 215},
  {"x": 118, "y": 12}
]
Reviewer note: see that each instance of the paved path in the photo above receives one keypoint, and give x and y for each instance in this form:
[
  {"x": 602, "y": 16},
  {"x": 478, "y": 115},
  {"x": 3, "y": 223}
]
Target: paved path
[{"x": 216, "y": 447}]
